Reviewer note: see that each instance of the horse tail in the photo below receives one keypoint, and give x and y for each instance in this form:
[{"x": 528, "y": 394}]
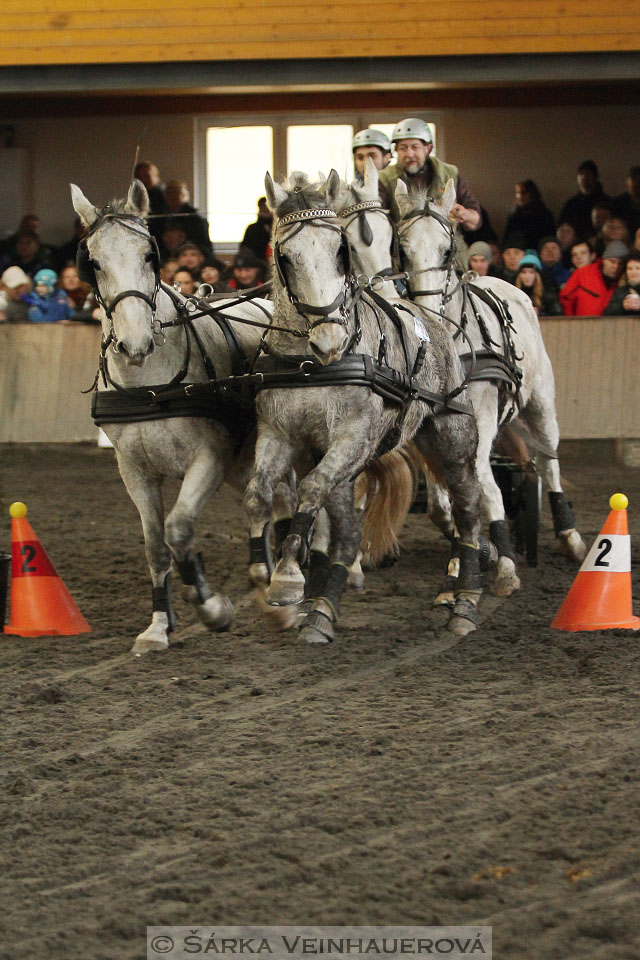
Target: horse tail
[
  {"x": 388, "y": 487},
  {"x": 510, "y": 442}
]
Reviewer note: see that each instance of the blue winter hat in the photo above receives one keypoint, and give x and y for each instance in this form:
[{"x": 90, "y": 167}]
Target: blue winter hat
[
  {"x": 48, "y": 278},
  {"x": 530, "y": 259}
]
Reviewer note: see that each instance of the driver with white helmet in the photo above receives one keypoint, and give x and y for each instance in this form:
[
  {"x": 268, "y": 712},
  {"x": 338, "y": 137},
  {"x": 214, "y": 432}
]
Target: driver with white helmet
[
  {"x": 374, "y": 144},
  {"x": 418, "y": 168}
]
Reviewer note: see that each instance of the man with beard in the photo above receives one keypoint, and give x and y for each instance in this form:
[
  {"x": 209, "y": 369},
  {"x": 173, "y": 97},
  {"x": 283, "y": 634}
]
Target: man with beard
[{"x": 421, "y": 170}]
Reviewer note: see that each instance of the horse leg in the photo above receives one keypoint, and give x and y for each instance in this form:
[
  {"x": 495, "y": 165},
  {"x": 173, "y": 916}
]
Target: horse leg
[
  {"x": 339, "y": 463},
  {"x": 203, "y": 476},
  {"x": 326, "y": 592},
  {"x": 146, "y": 492},
  {"x": 449, "y": 442},
  {"x": 540, "y": 416}
]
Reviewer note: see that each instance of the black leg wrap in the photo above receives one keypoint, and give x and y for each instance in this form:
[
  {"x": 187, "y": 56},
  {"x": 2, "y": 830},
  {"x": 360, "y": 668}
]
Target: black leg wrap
[
  {"x": 161, "y": 600},
  {"x": 318, "y": 573},
  {"x": 280, "y": 533},
  {"x": 484, "y": 553},
  {"x": 469, "y": 577},
  {"x": 451, "y": 583},
  {"x": 467, "y": 609},
  {"x": 192, "y": 573},
  {"x": 301, "y": 526},
  {"x": 334, "y": 586},
  {"x": 499, "y": 535},
  {"x": 260, "y": 550},
  {"x": 563, "y": 518}
]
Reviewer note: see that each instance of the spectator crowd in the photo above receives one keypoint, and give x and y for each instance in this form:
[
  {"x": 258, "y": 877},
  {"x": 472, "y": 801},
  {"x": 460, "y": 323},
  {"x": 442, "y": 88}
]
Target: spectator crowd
[{"x": 587, "y": 263}]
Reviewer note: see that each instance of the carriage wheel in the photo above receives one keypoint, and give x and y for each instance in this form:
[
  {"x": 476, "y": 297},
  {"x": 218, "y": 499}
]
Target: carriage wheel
[{"x": 522, "y": 497}]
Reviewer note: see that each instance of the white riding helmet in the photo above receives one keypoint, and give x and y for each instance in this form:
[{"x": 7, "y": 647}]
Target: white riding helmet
[
  {"x": 371, "y": 138},
  {"x": 412, "y": 129}
]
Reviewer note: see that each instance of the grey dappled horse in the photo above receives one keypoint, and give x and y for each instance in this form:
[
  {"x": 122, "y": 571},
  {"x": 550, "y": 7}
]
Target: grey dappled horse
[
  {"x": 327, "y": 433},
  {"x": 200, "y": 449},
  {"x": 427, "y": 242}
]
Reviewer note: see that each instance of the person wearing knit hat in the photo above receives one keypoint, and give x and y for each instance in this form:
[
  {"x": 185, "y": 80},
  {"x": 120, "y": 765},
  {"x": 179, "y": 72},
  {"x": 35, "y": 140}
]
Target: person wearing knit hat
[
  {"x": 46, "y": 303},
  {"x": 14, "y": 288},
  {"x": 529, "y": 280},
  {"x": 589, "y": 289},
  {"x": 479, "y": 257}
]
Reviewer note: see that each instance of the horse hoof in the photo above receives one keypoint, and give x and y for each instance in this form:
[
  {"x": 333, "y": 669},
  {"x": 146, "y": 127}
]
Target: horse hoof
[
  {"x": 317, "y": 628},
  {"x": 278, "y": 619},
  {"x": 444, "y": 599},
  {"x": 285, "y": 589},
  {"x": 572, "y": 545},
  {"x": 216, "y": 613},
  {"x": 145, "y": 644},
  {"x": 505, "y": 586},
  {"x": 355, "y": 580},
  {"x": 460, "y": 626}
]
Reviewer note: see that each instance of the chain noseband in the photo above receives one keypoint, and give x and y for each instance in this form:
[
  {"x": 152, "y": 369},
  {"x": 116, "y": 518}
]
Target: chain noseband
[{"x": 315, "y": 218}]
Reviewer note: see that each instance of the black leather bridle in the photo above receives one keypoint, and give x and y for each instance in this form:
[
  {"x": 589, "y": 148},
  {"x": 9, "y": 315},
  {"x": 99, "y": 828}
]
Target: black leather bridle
[
  {"x": 87, "y": 268},
  {"x": 408, "y": 220}
]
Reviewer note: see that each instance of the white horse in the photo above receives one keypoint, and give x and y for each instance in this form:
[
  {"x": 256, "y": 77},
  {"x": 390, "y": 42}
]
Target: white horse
[
  {"x": 329, "y": 431},
  {"x": 512, "y": 367},
  {"x": 201, "y": 441}
]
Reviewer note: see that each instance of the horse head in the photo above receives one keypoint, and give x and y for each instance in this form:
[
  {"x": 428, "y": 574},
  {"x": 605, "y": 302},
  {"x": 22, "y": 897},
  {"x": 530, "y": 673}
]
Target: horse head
[
  {"x": 427, "y": 242},
  {"x": 371, "y": 236},
  {"x": 312, "y": 260},
  {"x": 119, "y": 259}
]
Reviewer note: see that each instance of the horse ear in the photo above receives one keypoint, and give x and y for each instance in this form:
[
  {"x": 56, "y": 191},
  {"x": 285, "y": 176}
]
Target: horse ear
[
  {"x": 371, "y": 175},
  {"x": 137, "y": 199},
  {"x": 403, "y": 199},
  {"x": 275, "y": 193},
  {"x": 449, "y": 196},
  {"x": 85, "y": 210},
  {"x": 332, "y": 187}
]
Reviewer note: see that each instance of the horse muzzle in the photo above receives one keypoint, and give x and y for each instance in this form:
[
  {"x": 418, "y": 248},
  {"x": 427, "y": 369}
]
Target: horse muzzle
[{"x": 328, "y": 342}]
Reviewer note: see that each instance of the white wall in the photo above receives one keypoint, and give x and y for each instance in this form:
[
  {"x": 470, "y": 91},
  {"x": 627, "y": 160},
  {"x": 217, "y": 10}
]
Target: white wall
[{"x": 494, "y": 148}]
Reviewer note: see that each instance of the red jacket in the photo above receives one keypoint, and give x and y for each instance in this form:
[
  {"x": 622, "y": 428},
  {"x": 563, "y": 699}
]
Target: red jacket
[{"x": 585, "y": 294}]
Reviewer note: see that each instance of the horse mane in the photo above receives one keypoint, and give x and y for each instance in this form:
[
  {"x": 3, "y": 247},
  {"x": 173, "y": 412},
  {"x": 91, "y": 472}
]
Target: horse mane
[
  {"x": 115, "y": 206},
  {"x": 299, "y": 186}
]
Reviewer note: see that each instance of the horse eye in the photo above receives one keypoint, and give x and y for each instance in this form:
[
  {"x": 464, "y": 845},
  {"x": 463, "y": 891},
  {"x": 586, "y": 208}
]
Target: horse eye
[
  {"x": 149, "y": 257},
  {"x": 96, "y": 265}
]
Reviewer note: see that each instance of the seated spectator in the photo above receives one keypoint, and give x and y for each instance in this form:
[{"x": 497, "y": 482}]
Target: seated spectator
[
  {"x": 529, "y": 280},
  {"x": 46, "y": 303},
  {"x": 212, "y": 273},
  {"x": 513, "y": 248},
  {"x": 566, "y": 237},
  {"x": 581, "y": 254},
  {"x": 627, "y": 204},
  {"x": 191, "y": 256},
  {"x": 168, "y": 269},
  {"x": 15, "y": 287},
  {"x": 148, "y": 173},
  {"x": 30, "y": 256},
  {"x": 615, "y": 228},
  {"x": 186, "y": 280},
  {"x": 30, "y": 223},
  {"x": 257, "y": 235},
  {"x": 479, "y": 258},
  {"x": 68, "y": 252},
  {"x": 577, "y": 209},
  {"x": 626, "y": 297},
  {"x": 77, "y": 292},
  {"x": 170, "y": 240},
  {"x": 554, "y": 271},
  {"x": 181, "y": 213},
  {"x": 529, "y": 216},
  {"x": 247, "y": 271},
  {"x": 589, "y": 289}
]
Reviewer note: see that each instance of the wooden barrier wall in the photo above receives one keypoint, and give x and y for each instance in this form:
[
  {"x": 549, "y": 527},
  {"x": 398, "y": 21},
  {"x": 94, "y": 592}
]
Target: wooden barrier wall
[
  {"x": 144, "y": 31},
  {"x": 44, "y": 367}
]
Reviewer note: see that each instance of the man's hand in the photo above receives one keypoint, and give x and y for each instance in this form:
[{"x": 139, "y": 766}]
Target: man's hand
[{"x": 467, "y": 218}]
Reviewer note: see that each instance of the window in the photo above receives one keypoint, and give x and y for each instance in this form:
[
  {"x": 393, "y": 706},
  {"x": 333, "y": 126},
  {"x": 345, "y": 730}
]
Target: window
[{"x": 233, "y": 154}]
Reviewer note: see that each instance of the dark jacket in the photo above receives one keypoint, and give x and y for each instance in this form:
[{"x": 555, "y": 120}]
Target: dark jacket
[
  {"x": 615, "y": 308},
  {"x": 577, "y": 210},
  {"x": 534, "y": 220}
]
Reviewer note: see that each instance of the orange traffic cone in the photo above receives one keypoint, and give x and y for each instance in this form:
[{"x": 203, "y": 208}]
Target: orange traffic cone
[
  {"x": 41, "y": 605},
  {"x": 600, "y": 598}
]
